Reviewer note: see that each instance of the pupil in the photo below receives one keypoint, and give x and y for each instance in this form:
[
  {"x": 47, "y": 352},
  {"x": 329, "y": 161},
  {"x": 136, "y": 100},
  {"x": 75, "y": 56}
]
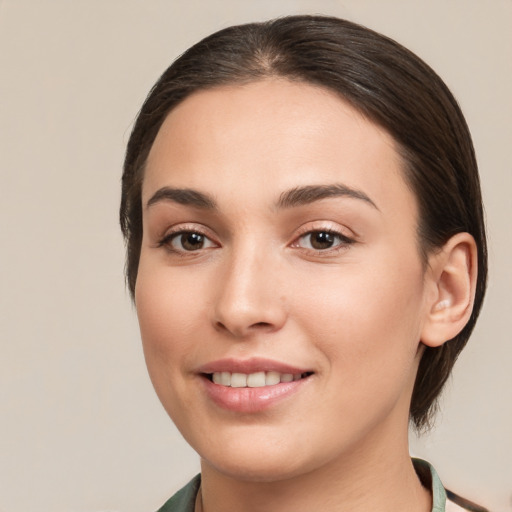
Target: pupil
[
  {"x": 192, "y": 241},
  {"x": 322, "y": 240}
]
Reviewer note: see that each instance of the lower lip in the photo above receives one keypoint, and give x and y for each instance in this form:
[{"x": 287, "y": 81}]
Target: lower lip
[{"x": 251, "y": 399}]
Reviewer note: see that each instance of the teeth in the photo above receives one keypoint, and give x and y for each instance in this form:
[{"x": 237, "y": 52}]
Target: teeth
[
  {"x": 272, "y": 378},
  {"x": 253, "y": 380},
  {"x": 238, "y": 380},
  {"x": 256, "y": 380}
]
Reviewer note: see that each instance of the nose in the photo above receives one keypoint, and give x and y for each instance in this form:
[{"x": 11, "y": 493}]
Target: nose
[{"x": 251, "y": 296}]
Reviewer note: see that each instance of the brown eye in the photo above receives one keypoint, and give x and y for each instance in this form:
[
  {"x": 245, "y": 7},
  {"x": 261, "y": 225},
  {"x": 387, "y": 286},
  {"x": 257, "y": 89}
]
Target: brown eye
[
  {"x": 191, "y": 241},
  {"x": 323, "y": 240},
  {"x": 188, "y": 241}
]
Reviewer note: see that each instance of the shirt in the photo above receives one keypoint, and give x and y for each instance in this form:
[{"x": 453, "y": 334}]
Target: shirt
[{"x": 184, "y": 500}]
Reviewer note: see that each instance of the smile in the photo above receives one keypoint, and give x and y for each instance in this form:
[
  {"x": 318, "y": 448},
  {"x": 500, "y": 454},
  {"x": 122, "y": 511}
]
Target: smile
[
  {"x": 254, "y": 380},
  {"x": 252, "y": 385}
]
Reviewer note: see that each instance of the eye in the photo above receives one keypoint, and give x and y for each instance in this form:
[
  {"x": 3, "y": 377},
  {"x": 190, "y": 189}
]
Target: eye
[
  {"x": 322, "y": 240},
  {"x": 187, "y": 241}
]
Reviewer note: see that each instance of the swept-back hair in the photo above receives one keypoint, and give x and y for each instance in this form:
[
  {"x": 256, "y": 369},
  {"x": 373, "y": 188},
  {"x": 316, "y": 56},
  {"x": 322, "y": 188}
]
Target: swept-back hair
[{"x": 384, "y": 81}]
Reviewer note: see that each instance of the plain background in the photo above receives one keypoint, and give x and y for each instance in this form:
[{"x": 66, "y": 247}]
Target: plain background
[{"x": 80, "y": 427}]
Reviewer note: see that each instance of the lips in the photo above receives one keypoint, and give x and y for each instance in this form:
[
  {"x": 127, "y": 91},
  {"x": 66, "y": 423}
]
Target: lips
[{"x": 251, "y": 385}]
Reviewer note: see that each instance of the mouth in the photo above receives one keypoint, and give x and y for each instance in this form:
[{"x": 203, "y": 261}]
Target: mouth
[
  {"x": 257, "y": 379},
  {"x": 252, "y": 385}
]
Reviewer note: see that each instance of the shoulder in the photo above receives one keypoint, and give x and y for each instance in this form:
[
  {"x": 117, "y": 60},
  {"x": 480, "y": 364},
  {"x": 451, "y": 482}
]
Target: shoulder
[{"x": 184, "y": 500}]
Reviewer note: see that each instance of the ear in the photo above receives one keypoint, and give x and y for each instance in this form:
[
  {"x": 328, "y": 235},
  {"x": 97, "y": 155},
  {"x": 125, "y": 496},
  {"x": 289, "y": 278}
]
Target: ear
[{"x": 451, "y": 277}]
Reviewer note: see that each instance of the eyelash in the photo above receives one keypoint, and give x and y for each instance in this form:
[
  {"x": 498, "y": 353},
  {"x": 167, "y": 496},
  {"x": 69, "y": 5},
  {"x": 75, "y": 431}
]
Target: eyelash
[
  {"x": 343, "y": 241},
  {"x": 166, "y": 240}
]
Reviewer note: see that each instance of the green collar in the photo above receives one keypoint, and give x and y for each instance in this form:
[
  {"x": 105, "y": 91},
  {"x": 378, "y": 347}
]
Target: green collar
[
  {"x": 184, "y": 500},
  {"x": 430, "y": 479}
]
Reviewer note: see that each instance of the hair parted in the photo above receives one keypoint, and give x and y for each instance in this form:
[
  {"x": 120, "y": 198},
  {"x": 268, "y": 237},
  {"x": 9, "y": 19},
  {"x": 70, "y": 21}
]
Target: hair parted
[{"x": 381, "y": 79}]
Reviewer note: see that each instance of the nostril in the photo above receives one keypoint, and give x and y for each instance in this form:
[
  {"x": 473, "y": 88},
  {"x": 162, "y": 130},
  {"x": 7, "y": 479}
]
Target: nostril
[
  {"x": 222, "y": 327},
  {"x": 257, "y": 325},
  {"x": 261, "y": 324}
]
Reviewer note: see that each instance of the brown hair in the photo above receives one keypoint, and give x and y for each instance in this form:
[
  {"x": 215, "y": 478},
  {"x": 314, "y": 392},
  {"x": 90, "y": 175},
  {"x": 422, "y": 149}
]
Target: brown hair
[{"x": 385, "y": 82}]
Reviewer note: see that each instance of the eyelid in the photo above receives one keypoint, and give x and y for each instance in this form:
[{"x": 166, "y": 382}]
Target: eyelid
[
  {"x": 327, "y": 226},
  {"x": 346, "y": 239},
  {"x": 165, "y": 239}
]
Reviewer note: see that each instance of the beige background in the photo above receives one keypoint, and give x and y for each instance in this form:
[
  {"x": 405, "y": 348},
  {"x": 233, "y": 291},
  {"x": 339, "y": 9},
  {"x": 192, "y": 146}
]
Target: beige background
[{"x": 80, "y": 427}]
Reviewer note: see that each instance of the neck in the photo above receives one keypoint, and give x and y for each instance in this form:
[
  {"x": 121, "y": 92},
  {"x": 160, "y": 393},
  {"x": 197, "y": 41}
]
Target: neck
[{"x": 369, "y": 478}]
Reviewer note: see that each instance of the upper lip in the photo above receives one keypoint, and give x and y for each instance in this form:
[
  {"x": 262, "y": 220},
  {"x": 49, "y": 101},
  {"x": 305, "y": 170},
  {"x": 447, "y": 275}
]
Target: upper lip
[{"x": 252, "y": 365}]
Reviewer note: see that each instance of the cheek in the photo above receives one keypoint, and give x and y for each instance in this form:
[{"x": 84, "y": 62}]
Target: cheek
[
  {"x": 167, "y": 317},
  {"x": 364, "y": 315},
  {"x": 167, "y": 314},
  {"x": 367, "y": 330}
]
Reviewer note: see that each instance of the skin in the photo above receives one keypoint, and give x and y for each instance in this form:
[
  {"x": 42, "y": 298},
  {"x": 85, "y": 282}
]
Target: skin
[{"x": 353, "y": 314}]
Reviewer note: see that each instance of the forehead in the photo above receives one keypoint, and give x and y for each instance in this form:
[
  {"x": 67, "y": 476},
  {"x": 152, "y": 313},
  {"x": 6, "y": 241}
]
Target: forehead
[{"x": 276, "y": 132}]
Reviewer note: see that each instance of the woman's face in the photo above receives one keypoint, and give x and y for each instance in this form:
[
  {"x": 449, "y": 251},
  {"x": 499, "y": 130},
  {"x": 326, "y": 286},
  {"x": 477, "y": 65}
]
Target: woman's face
[{"x": 280, "y": 292}]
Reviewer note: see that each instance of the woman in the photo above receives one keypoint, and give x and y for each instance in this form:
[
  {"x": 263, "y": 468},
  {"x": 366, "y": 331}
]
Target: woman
[{"x": 306, "y": 251}]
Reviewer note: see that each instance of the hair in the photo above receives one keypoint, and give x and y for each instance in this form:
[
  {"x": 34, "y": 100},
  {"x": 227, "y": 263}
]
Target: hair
[{"x": 387, "y": 84}]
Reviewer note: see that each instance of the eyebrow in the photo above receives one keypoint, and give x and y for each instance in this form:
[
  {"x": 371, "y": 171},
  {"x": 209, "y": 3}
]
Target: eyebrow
[
  {"x": 308, "y": 194},
  {"x": 297, "y": 196},
  {"x": 185, "y": 196}
]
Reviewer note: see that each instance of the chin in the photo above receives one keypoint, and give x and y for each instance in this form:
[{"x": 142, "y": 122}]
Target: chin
[
  {"x": 267, "y": 460},
  {"x": 248, "y": 470}
]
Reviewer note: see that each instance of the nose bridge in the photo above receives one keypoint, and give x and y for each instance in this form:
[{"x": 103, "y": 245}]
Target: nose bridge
[{"x": 250, "y": 296}]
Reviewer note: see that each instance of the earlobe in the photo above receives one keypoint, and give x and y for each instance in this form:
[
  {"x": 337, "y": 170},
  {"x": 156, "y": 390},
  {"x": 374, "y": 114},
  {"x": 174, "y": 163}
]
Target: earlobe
[{"x": 452, "y": 280}]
